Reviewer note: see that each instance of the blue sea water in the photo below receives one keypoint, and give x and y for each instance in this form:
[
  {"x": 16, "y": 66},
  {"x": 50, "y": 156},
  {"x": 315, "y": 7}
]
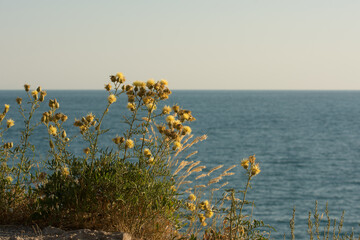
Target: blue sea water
[{"x": 307, "y": 144}]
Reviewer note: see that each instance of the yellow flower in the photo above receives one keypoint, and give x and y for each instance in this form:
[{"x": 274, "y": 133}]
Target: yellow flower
[
  {"x": 151, "y": 161},
  {"x": 202, "y": 218},
  {"x": 148, "y": 100},
  {"x": 131, "y": 106},
  {"x": 35, "y": 94},
  {"x": 9, "y": 179},
  {"x": 163, "y": 82},
  {"x": 118, "y": 140},
  {"x": 65, "y": 171},
  {"x": 192, "y": 197},
  {"x": 176, "y": 108},
  {"x": 139, "y": 84},
  {"x": 108, "y": 87},
  {"x": 8, "y": 145},
  {"x": 186, "y": 116},
  {"x": 166, "y": 110},
  {"x": 147, "y": 152},
  {"x": 129, "y": 143},
  {"x": 90, "y": 117},
  {"x": 177, "y": 145},
  {"x": 86, "y": 150},
  {"x": 173, "y": 189},
  {"x": 204, "y": 205},
  {"x": 209, "y": 213},
  {"x": 120, "y": 77},
  {"x": 186, "y": 130},
  {"x": 52, "y": 130},
  {"x": 245, "y": 163},
  {"x": 150, "y": 83},
  {"x": 170, "y": 119},
  {"x": 10, "y": 123},
  {"x": 191, "y": 206},
  {"x": 111, "y": 98},
  {"x": 151, "y": 107},
  {"x": 6, "y": 109},
  {"x": 255, "y": 170},
  {"x": 204, "y": 224}
]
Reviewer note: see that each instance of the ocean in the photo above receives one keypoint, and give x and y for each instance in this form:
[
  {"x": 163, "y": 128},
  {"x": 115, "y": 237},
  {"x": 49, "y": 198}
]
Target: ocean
[{"x": 307, "y": 144}]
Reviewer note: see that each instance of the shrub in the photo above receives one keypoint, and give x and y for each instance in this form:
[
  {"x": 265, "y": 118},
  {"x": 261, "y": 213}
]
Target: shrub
[{"x": 140, "y": 186}]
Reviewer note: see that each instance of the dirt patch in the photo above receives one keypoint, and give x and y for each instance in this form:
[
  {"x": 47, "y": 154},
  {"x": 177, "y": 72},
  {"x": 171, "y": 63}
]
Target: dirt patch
[{"x": 11, "y": 232}]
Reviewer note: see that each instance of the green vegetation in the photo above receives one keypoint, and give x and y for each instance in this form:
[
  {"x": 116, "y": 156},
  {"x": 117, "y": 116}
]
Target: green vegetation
[{"x": 141, "y": 187}]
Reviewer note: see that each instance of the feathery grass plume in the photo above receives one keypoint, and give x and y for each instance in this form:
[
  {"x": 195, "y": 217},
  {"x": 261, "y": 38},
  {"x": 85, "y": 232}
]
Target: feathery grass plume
[
  {"x": 222, "y": 185},
  {"x": 181, "y": 166},
  {"x": 201, "y": 176},
  {"x": 227, "y": 174},
  {"x": 231, "y": 167},
  {"x": 186, "y": 182},
  {"x": 191, "y": 154},
  {"x": 214, "y": 180},
  {"x": 198, "y": 169},
  {"x": 196, "y": 140},
  {"x": 214, "y": 169},
  {"x": 193, "y": 165}
]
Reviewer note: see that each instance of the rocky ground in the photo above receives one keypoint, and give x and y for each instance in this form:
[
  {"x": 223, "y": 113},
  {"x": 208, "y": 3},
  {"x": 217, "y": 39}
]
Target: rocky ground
[{"x": 10, "y": 232}]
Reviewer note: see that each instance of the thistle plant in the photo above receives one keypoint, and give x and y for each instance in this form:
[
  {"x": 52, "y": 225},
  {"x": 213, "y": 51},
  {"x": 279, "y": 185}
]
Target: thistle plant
[
  {"x": 145, "y": 184},
  {"x": 138, "y": 186}
]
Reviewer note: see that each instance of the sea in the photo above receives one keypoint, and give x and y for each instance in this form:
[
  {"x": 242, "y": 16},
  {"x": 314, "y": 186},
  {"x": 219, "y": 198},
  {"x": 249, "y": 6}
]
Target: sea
[{"x": 306, "y": 142}]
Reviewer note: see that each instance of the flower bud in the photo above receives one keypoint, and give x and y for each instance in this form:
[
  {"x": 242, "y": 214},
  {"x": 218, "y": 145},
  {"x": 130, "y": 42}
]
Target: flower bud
[{"x": 27, "y": 87}]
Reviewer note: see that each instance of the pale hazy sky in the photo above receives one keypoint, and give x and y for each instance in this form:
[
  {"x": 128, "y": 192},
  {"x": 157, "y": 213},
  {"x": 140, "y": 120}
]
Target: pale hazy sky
[{"x": 194, "y": 44}]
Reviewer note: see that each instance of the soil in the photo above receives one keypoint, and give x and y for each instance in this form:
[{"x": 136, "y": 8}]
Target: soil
[{"x": 12, "y": 232}]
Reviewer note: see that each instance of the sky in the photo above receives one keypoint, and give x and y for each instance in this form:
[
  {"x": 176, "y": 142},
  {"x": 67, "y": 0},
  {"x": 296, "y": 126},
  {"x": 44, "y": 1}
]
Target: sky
[{"x": 194, "y": 44}]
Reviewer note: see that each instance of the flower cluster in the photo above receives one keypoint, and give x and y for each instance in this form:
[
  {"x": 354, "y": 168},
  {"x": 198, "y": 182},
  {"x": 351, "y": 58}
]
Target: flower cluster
[
  {"x": 85, "y": 123},
  {"x": 9, "y": 122},
  {"x": 254, "y": 167},
  {"x": 175, "y": 129}
]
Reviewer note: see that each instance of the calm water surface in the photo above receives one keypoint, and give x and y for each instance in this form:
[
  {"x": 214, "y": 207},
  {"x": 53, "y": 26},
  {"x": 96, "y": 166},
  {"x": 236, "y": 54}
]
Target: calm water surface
[{"x": 307, "y": 143}]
